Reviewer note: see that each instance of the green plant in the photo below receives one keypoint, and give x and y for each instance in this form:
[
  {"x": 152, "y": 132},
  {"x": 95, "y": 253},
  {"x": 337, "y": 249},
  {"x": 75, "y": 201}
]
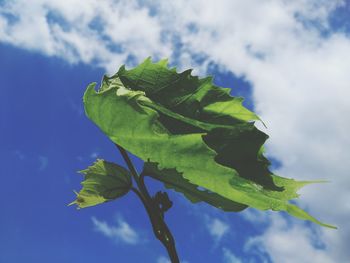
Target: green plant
[{"x": 192, "y": 135}]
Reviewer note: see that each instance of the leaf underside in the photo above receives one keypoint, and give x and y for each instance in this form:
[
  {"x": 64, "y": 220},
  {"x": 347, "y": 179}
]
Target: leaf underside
[
  {"x": 193, "y": 136},
  {"x": 104, "y": 181}
]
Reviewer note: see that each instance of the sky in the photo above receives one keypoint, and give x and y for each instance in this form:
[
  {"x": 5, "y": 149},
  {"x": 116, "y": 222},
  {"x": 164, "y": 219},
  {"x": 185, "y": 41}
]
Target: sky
[{"x": 289, "y": 59}]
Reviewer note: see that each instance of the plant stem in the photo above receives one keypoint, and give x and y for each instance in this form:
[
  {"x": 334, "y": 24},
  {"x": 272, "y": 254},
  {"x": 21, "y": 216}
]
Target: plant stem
[{"x": 160, "y": 228}]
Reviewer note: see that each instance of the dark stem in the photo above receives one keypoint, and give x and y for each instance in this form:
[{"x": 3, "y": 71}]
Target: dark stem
[{"x": 160, "y": 228}]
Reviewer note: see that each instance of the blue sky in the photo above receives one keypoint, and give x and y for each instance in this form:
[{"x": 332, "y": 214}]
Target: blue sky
[
  {"x": 277, "y": 55},
  {"x": 45, "y": 138}
]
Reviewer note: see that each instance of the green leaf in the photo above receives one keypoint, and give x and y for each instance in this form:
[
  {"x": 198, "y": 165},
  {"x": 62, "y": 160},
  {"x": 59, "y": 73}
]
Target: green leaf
[
  {"x": 188, "y": 124},
  {"x": 174, "y": 180},
  {"x": 104, "y": 181}
]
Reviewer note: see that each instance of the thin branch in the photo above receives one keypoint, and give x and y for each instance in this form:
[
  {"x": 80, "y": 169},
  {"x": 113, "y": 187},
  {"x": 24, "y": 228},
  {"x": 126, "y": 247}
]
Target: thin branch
[
  {"x": 160, "y": 229},
  {"x": 145, "y": 204},
  {"x": 137, "y": 192},
  {"x": 139, "y": 179},
  {"x": 128, "y": 161}
]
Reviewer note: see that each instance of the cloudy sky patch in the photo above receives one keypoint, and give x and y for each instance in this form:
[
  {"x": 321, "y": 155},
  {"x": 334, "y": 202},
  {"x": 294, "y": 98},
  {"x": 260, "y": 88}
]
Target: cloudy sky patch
[
  {"x": 120, "y": 232},
  {"x": 295, "y": 55}
]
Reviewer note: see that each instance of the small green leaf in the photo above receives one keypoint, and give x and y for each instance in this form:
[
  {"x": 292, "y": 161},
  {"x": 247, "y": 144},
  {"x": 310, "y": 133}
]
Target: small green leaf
[{"x": 104, "y": 181}]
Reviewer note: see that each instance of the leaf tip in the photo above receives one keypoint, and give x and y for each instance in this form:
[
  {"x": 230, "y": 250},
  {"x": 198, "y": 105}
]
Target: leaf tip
[
  {"x": 148, "y": 60},
  {"x": 72, "y": 203},
  {"x": 76, "y": 201},
  {"x": 163, "y": 62}
]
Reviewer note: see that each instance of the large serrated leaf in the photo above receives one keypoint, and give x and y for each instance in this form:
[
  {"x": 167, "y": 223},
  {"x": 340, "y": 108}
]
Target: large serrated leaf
[
  {"x": 185, "y": 123},
  {"x": 104, "y": 181}
]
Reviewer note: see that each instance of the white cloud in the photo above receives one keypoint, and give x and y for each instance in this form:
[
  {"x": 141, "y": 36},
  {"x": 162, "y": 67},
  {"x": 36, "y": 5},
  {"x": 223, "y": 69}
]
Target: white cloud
[
  {"x": 217, "y": 228},
  {"x": 230, "y": 257},
  {"x": 256, "y": 216},
  {"x": 92, "y": 33},
  {"x": 122, "y": 232},
  {"x": 289, "y": 243},
  {"x": 300, "y": 77}
]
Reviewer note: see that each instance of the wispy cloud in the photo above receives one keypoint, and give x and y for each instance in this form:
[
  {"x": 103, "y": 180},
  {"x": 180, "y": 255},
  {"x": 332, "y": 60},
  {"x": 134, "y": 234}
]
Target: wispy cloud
[
  {"x": 94, "y": 155},
  {"x": 256, "y": 216},
  {"x": 230, "y": 257},
  {"x": 217, "y": 228},
  {"x": 19, "y": 154},
  {"x": 41, "y": 161},
  {"x": 121, "y": 232}
]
